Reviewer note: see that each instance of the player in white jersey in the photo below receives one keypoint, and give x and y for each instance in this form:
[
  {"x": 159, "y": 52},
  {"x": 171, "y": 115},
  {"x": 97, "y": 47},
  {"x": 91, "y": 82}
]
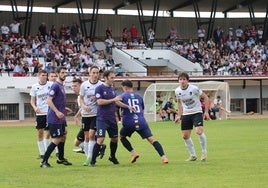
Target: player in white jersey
[
  {"x": 89, "y": 110},
  {"x": 190, "y": 114},
  {"x": 39, "y": 94}
]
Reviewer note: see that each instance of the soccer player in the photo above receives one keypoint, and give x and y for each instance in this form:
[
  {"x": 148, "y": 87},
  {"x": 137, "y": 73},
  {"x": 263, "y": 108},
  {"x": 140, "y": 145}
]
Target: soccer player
[
  {"x": 106, "y": 100},
  {"x": 190, "y": 114},
  {"x": 56, "y": 118},
  {"x": 39, "y": 94},
  {"x": 79, "y": 140},
  {"x": 88, "y": 103},
  {"x": 135, "y": 121}
]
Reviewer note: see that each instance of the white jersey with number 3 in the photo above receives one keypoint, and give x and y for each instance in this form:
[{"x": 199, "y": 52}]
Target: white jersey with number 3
[{"x": 190, "y": 98}]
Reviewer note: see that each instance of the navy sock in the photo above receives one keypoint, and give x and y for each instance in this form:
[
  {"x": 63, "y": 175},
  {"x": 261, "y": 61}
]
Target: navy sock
[
  {"x": 96, "y": 150},
  {"x": 50, "y": 149},
  {"x": 126, "y": 144},
  {"x": 61, "y": 150},
  {"x": 113, "y": 147},
  {"x": 158, "y": 148}
]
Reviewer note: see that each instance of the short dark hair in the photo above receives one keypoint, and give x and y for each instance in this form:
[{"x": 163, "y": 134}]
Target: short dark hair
[
  {"x": 58, "y": 69},
  {"x": 77, "y": 80},
  {"x": 93, "y": 67},
  {"x": 183, "y": 75},
  {"x": 107, "y": 73},
  {"x": 42, "y": 71},
  {"x": 127, "y": 83}
]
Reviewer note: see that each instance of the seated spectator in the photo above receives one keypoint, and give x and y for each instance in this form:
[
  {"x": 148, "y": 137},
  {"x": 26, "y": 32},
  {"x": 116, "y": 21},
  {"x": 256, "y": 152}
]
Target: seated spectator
[
  {"x": 109, "y": 43},
  {"x": 18, "y": 70},
  {"x": 158, "y": 107},
  {"x": 169, "y": 108},
  {"x": 218, "y": 107},
  {"x": 120, "y": 71}
]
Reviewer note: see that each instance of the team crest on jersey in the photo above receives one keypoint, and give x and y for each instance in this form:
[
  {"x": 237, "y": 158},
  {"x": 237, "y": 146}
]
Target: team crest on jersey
[
  {"x": 98, "y": 95},
  {"x": 51, "y": 92},
  {"x": 191, "y": 93}
]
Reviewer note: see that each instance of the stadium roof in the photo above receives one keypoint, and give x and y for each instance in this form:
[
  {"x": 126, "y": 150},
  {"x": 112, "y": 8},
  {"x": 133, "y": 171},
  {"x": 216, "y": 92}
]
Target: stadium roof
[{"x": 165, "y": 5}]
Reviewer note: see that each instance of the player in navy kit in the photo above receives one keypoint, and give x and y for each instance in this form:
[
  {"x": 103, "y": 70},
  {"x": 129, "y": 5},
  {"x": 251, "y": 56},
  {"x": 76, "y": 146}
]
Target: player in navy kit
[
  {"x": 107, "y": 100},
  {"x": 134, "y": 121},
  {"x": 56, "y": 118}
]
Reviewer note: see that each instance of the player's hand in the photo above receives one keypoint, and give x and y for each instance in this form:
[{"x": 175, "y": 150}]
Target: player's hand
[
  {"x": 132, "y": 108},
  {"x": 117, "y": 98},
  {"x": 207, "y": 117},
  {"x": 87, "y": 108},
  {"x": 37, "y": 110},
  {"x": 178, "y": 119},
  {"x": 68, "y": 110},
  {"x": 60, "y": 115}
]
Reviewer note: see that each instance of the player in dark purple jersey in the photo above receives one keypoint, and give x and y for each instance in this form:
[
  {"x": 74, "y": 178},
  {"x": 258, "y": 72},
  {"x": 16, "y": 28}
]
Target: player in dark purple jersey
[
  {"x": 56, "y": 118},
  {"x": 107, "y": 100},
  {"x": 135, "y": 121}
]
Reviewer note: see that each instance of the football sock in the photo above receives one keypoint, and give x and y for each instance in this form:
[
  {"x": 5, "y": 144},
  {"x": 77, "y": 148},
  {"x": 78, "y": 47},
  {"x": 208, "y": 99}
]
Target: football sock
[
  {"x": 50, "y": 149},
  {"x": 46, "y": 142},
  {"x": 41, "y": 147},
  {"x": 203, "y": 142},
  {"x": 96, "y": 150},
  {"x": 113, "y": 147},
  {"x": 190, "y": 146},
  {"x": 126, "y": 144},
  {"x": 61, "y": 150},
  {"x": 86, "y": 148},
  {"x": 158, "y": 148},
  {"x": 90, "y": 148}
]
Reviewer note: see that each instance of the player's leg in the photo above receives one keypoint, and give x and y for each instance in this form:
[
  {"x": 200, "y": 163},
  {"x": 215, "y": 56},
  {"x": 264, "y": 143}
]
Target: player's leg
[
  {"x": 146, "y": 133},
  {"x": 124, "y": 132},
  {"x": 186, "y": 128},
  {"x": 113, "y": 134},
  {"x": 202, "y": 137}
]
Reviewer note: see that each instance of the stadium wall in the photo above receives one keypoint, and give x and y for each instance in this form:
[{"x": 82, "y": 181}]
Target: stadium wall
[{"x": 15, "y": 90}]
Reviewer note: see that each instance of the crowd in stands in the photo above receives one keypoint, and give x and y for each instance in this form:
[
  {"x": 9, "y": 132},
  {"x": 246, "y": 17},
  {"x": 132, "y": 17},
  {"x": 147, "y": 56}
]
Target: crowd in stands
[{"x": 234, "y": 52}]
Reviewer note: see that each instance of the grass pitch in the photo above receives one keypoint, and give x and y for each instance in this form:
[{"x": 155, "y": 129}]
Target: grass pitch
[{"x": 237, "y": 157}]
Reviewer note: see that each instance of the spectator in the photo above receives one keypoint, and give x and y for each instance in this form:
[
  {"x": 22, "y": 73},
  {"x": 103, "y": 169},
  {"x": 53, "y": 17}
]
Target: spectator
[
  {"x": 109, "y": 43},
  {"x": 150, "y": 37},
  {"x": 108, "y": 32},
  {"x": 201, "y": 33},
  {"x": 5, "y": 31},
  {"x": 15, "y": 28},
  {"x": 43, "y": 31},
  {"x": 169, "y": 108},
  {"x": 74, "y": 31},
  {"x": 239, "y": 33},
  {"x": 125, "y": 35},
  {"x": 218, "y": 107},
  {"x": 218, "y": 35},
  {"x": 133, "y": 33}
]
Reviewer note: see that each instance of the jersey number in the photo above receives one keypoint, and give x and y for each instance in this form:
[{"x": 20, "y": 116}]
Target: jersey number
[{"x": 135, "y": 104}]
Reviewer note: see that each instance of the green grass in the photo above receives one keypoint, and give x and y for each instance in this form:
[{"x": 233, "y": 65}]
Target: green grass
[{"x": 237, "y": 157}]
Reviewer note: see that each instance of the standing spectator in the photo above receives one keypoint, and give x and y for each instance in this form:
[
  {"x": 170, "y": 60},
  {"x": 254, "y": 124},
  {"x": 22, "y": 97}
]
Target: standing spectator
[
  {"x": 39, "y": 94},
  {"x": 239, "y": 33},
  {"x": 62, "y": 32},
  {"x": 246, "y": 33},
  {"x": 15, "y": 28},
  {"x": 74, "y": 31},
  {"x": 56, "y": 119},
  {"x": 5, "y": 31},
  {"x": 133, "y": 33},
  {"x": 218, "y": 35},
  {"x": 109, "y": 43},
  {"x": 201, "y": 33},
  {"x": 260, "y": 34},
  {"x": 150, "y": 37},
  {"x": 107, "y": 100},
  {"x": 190, "y": 114},
  {"x": 253, "y": 33},
  {"x": 53, "y": 33},
  {"x": 125, "y": 35},
  {"x": 108, "y": 32},
  {"x": 136, "y": 122},
  {"x": 43, "y": 31}
]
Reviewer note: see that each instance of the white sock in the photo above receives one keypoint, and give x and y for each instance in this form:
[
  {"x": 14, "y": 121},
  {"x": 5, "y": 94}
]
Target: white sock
[
  {"x": 46, "y": 143},
  {"x": 56, "y": 149},
  {"x": 190, "y": 146},
  {"x": 82, "y": 145},
  {"x": 41, "y": 147},
  {"x": 86, "y": 148},
  {"x": 91, "y": 144},
  {"x": 203, "y": 142}
]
